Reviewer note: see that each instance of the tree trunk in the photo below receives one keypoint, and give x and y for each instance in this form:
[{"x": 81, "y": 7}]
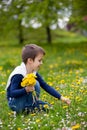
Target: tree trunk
[
  {"x": 48, "y": 31},
  {"x": 20, "y": 35}
]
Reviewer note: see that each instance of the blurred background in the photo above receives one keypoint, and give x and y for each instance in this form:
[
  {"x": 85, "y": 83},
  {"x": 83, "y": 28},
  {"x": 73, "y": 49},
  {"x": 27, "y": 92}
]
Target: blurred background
[{"x": 42, "y": 21}]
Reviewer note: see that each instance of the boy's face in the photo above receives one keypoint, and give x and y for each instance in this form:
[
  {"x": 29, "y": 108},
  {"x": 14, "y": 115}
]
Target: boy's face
[{"x": 37, "y": 62}]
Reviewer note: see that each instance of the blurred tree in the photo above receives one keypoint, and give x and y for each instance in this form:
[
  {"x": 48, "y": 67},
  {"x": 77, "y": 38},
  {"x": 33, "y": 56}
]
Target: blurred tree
[
  {"x": 3, "y": 18},
  {"x": 45, "y": 12},
  {"x": 11, "y": 12},
  {"x": 79, "y": 14}
]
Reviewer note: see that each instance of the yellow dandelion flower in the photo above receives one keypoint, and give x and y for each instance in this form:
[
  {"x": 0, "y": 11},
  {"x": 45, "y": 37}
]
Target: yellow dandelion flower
[
  {"x": 29, "y": 80},
  {"x": 71, "y": 93},
  {"x": 57, "y": 88},
  {"x": 49, "y": 78},
  {"x": 75, "y": 126},
  {"x": 50, "y": 83},
  {"x": 72, "y": 85},
  {"x": 64, "y": 107},
  {"x": 2, "y": 92},
  {"x": 85, "y": 92},
  {"x": 9, "y": 113},
  {"x": 52, "y": 103},
  {"x": 46, "y": 106},
  {"x": 33, "y": 114},
  {"x": 62, "y": 81},
  {"x": 78, "y": 82},
  {"x": 78, "y": 98},
  {"x": 70, "y": 71},
  {"x": 44, "y": 95},
  {"x": 51, "y": 66},
  {"x": 18, "y": 128},
  {"x": 1, "y": 68},
  {"x": 3, "y": 83},
  {"x": 38, "y": 120}
]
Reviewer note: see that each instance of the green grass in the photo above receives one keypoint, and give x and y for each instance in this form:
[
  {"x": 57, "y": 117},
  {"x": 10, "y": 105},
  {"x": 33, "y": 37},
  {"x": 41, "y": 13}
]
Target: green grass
[{"x": 65, "y": 68}]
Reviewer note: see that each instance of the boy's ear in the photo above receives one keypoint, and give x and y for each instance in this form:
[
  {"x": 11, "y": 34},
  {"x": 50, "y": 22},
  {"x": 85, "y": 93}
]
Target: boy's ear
[{"x": 30, "y": 60}]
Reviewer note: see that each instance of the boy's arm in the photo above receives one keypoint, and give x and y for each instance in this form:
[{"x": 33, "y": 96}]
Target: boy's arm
[
  {"x": 48, "y": 88},
  {"x": 15, "y": 88},
  {"x": 51, "y": 90}
]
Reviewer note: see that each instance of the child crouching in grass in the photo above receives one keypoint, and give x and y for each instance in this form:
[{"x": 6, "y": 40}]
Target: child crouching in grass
[{"x": 22, "y": 98}]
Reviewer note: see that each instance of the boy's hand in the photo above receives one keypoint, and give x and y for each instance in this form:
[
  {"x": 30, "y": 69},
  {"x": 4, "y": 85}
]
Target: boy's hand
[
  {"x": 29, "y": 88},
  {"x": 66, "y": 100}
]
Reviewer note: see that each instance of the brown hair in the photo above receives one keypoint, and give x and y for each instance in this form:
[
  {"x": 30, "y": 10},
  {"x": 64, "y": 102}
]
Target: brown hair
[{"x": 31, "y": 51}]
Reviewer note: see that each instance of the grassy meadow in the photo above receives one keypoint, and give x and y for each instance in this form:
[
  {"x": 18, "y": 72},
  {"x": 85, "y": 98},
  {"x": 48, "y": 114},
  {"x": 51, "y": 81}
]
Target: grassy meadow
[{"x": 65, "y": 68}]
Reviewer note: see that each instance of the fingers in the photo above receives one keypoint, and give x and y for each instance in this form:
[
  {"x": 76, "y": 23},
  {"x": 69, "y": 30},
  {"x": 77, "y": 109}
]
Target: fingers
[
  {"x": 32, "y": 88},
  {"x": 29, "y": 88},
  {"x": 66, "y": 100}
]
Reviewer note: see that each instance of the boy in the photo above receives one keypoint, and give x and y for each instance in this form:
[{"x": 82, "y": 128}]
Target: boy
[{"x": 21, "y": 98}]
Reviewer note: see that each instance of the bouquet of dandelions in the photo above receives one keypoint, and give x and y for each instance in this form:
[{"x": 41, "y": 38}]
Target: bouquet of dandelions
[{"x": 29, "y": 80}]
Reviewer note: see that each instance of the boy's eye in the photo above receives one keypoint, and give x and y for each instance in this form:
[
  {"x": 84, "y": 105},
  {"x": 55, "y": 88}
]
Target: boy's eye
[{"x": 40, "y": 60}]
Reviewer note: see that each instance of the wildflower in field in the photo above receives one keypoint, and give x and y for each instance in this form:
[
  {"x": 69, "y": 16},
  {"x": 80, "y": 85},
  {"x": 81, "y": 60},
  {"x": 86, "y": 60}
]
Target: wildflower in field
[
  {"x": 78, "y": 98},
  {"x": 82, "y": 91},
  {"x": 70, "y": 71},
  {"x": 2, "y": 92},
  {"x": 44, "y": 95},
  {"x": 75, "y": 126},
  {"x": 50, "y": 83},
  {"x": 71, "y": 93},
  {"x": 72, "y": 85},
  {"x": 3, "y": 83},
  {"x": 78, "y": 82},
  {"x": 81, "y": 114},
  {"x": 29, "y": 80},
  {"x": 85, "y": 92},
  {"x": 49, "y": 78},
  {"x": 1, "y": 68},
  {"x": 52, "y": 103},
  {"x": 51, "y": 66},
  {"x": 8, "y": 71},
  {"x": 18, "y": 128},
  {"x": 38, "y": 120},
  {"x": 64, "y": 107},
  {"x": 33, "y": 114},
  {"x": 46, "y": 106},
  {"x": 46, "y": 115},
  {"x": 57, "y": 88},
  {"x": 62, "y": 81}
]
